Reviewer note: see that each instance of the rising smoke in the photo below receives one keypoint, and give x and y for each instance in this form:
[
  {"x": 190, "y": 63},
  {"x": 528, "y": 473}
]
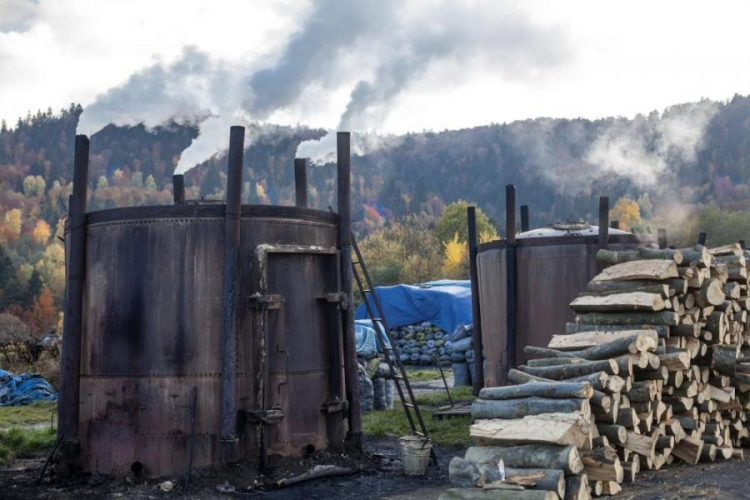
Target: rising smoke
[{"x": 372, "y": 49}]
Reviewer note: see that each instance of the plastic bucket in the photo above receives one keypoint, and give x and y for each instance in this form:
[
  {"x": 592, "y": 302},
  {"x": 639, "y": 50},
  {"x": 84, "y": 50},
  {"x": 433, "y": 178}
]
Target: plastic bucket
[{"x": 415, "y": 453}]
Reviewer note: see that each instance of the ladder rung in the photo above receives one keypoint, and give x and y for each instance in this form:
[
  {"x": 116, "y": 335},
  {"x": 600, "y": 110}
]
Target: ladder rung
[
  {"x": 417, "y": 433},
  {"x": 409, "y": 405}
]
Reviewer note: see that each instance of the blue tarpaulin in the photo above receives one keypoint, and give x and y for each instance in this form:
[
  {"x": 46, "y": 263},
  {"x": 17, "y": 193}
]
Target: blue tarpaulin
[
  {"x": 444, "y": 303},
  {"x": 24, "y": 389}
]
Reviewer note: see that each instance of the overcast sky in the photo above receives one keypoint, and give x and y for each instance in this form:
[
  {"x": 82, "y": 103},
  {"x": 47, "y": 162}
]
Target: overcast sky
[{"x": 585, "y": 58}]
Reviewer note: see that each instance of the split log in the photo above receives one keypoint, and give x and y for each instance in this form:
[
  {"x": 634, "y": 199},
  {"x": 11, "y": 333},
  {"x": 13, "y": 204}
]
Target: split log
[
  {"x": 610, "y": 257},
  {"x": 583, "y": 343},
  {"x": 574, "y": 370},
  {"x": 685, "y": 331},
  {"x": 639, "y": 270},
  {"x": 711, "y": 293},
  {"x": 602, "y": 464},
  {"x": 632, "y": 301},
  {"x": 519, "y": 408},
  {"x": 630, "y": 318},
  {"x": 675, "y": 361},
  {"x": 549, "y": 428},
  {"x": 613, "y": 287},
  {"x": 616, "y": 433},
  {"x": 698, "y": 255},
  {"x": 565, "y": 458},
  {"x": 724, "y": 359},
  {"x": 688, "y": 450},
  {"x": 577, "y": 488},
  {"x": 632, "y": 468},
  {"x": 466, "y": 474},
  {"x": 662, "y": 331},
  {"x": 611, "y": 488},
  {"x": 729, "y": 249},
  {"x": 640, "y": 444},
  {"x": 554, "y": 390}
]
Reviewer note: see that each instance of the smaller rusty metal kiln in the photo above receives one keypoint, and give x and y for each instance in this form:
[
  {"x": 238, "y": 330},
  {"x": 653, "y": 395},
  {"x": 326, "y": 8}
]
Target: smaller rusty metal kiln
[
  {"x": 522, "y": 286},
  {"x": 207, "y": 333}
]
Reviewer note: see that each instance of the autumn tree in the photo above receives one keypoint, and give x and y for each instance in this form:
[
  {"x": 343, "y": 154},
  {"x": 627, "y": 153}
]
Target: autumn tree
[
  {"x": 454, "y": 222},
  {"x": 627, "y": 212},
  {"x": 41, "y": 232}
]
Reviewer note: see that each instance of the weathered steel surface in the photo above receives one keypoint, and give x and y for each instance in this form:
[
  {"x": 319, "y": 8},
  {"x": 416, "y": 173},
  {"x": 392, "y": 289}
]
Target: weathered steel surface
[
  {"x": 153, "y": 325},
  {"x": 549, "y": 277},
  {"x": 68, "y": 408}
]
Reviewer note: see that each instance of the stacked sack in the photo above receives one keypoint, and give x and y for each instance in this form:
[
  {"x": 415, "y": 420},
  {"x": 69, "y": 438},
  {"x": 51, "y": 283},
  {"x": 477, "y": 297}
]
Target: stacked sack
[
  {"x": 375, "y": 383},
  {"x": 417, "y": 344},
  {"x": 460, "y": 348}
]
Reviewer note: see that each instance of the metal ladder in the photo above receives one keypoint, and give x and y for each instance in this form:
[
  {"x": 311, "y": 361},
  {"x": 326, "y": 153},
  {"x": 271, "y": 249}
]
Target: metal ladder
[{"x": 411, "y": 408}]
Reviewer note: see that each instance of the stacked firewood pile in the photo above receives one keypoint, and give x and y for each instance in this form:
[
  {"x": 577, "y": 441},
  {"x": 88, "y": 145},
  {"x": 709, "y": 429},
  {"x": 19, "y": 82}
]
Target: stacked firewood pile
[{"x": 654, "y": 370}]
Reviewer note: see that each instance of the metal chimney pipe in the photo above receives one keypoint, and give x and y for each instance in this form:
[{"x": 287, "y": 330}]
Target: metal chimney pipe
[
  {"x": 178, "y": 188},
  {"x": 662, "y": 237},
  {"x": 603, "y": 222},
  {"x": 70, "y": 365},
  {"x": 615, "y": 224},
  {"x": 510, "y": 261},
  {"x": 525, "y": 218},
  {"x": 300, "y": 182},
  {"x": 343, "y": 164},
  {"x": 230, "y": 444},
  {"x": 475, "y": 312},
  {"x": 702, "y": 238}
]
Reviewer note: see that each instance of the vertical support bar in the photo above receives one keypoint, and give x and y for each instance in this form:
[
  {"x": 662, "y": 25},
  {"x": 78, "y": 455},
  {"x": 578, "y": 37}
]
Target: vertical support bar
[
  {"x": 662, "y": 237},
  {"x": 615, "y": 224},
  {"x": 702, "y": 239},
  {"x": 300, "y": 182},
  {"x": 510, "y": 261},
  {"x": 343, "y": 160},
  {"x": 178, "y": 188},
  {"x": 230, "y": 444},
  {"x": 603, "y": 222},
  {"x": 475, "y": 312},
  {"x": 70, "y": 369},
  {"x": 525, "y": 218}
]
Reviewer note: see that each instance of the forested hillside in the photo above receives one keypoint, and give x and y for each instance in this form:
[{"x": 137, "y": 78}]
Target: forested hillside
[{"x": 686, "y": 168}]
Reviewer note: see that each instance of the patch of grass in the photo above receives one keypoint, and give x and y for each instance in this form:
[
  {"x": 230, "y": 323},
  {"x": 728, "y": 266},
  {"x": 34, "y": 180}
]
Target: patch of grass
[
  {"x": 449, "y": 432},
  {"x": 37, "y": 413},
  {"x": 24, "y": 442},
  {"x": 439, "y": 397},
  {"x": 426, "y": 375}
]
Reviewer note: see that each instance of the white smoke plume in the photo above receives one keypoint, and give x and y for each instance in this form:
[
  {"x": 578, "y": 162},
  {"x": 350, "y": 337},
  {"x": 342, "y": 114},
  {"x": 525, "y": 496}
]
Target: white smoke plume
[
  {"x": 373, "y": 50},
  {"x": 645, "y": 148}
]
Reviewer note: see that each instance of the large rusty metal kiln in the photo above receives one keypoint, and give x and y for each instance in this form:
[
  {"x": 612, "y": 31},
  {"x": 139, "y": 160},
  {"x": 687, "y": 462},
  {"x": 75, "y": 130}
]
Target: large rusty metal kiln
[
  {"x": 522, "y": 286},
  {"x": 207, "y": 332}
]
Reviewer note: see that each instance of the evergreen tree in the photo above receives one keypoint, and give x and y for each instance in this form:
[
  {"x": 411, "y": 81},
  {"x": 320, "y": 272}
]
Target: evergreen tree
[
  {"x": 33, "y": 289},
  {"x": 7, "y": 271}
]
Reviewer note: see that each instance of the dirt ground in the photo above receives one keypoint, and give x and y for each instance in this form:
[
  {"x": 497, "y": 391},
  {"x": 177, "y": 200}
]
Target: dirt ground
[{"x": 380, "y": 478}]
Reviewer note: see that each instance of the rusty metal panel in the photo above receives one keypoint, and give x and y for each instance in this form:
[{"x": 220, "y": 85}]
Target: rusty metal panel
[
  {"x": 153, "y": 322},
  {"x": 298, "y": 346},
  {"x": 549, "y": 277},
  {"x": 492, "y": 279}
]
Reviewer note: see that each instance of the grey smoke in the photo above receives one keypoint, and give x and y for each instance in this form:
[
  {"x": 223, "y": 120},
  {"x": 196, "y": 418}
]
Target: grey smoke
[{"x": 372, "y": 49}]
